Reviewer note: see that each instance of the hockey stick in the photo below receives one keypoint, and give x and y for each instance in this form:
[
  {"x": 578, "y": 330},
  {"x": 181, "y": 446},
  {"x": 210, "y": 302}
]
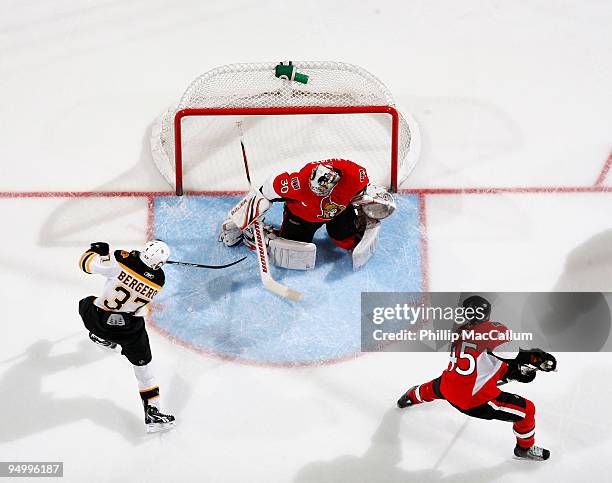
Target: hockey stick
[
  {"x": 187, "y": 264},
  {"x": 262, "y": 252}
]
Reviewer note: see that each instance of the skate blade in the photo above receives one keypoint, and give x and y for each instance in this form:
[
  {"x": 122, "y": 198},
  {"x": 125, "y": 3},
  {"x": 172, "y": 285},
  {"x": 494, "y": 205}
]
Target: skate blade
[
  {"x": 524, "y": 458},
  {"x": 157, "y": 428}
]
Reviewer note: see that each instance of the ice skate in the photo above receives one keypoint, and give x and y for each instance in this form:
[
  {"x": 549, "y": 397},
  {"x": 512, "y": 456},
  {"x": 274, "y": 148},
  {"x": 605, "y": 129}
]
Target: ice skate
[
  {"x": 156, "y": 421},
  {"x": 534, "y": 453},
  {"x": 405, "y": 401}
]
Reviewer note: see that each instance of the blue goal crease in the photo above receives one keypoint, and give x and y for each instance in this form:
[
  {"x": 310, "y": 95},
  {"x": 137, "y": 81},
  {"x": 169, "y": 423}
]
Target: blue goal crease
[{"x": 229, "y": 312}]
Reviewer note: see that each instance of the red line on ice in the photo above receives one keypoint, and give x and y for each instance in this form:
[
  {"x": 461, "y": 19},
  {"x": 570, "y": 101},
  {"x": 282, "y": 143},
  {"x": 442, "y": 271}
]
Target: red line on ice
[
  {"x": 150, "y": 216},
  {"x": 109, "y": 194},
  {"x": 416, "y": 191},
  {"x": 516, "y": 190},
  {"x": 604, "y": 171}
]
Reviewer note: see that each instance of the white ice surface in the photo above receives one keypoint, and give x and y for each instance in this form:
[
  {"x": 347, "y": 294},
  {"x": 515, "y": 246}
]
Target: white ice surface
[{"x": 507, "y": 94}]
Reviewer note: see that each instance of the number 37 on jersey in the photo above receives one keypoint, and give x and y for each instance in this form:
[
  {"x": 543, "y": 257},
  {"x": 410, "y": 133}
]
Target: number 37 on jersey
[{"x": 130, "y": 284}]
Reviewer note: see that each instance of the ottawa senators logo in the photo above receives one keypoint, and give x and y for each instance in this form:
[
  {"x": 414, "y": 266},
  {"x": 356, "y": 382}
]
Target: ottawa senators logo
[
  {"x": 124, "y": 254},
  {"x": 329, "y": 209}
]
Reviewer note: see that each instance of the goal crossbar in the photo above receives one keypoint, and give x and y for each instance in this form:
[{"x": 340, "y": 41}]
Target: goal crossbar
[{"x": 279, "y": 111}]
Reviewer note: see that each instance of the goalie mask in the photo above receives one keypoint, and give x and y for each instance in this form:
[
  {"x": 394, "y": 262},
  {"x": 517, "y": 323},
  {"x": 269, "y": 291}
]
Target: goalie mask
[
  {"x": 323, "y": 179},
  {"x": 155, "y": 254}
]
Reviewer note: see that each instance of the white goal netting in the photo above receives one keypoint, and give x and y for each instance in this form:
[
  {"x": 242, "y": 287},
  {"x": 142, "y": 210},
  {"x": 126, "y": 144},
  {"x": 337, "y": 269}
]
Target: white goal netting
[{"x": 281, "y": 140}]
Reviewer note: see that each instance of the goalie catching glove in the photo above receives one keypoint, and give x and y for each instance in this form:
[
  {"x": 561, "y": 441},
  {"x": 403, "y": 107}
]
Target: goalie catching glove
[{"x": 375, "y": 202}]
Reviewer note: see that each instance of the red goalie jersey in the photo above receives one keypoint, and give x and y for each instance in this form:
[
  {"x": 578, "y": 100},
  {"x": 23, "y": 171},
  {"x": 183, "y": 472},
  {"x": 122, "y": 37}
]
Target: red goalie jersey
[
  {"x": 294, "y": 190},
  {"x": 472, "y": 374}
]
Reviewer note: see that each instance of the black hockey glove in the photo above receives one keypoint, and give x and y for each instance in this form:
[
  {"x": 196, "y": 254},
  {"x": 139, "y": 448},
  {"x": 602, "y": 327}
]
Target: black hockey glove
[
  {"x": 101, "y": 248},
  {"x": 542, "y": 360},
  {"x": 516, "y": 372},
  {"x": 535, "y": 358}
]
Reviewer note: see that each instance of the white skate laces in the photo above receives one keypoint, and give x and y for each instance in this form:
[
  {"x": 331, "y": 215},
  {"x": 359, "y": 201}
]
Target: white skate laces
[{"x": 536, "y": 451}]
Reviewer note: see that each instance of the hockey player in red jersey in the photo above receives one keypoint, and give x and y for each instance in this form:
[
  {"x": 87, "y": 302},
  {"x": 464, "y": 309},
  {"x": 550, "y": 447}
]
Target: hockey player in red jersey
[
  {"x": 476, "y": 368},
  {"x": 333, "y": 192}
]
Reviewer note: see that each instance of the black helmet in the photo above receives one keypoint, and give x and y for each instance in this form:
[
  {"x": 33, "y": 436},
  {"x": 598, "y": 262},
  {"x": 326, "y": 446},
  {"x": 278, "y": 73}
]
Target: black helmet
[{"x": 481, "y": 309}]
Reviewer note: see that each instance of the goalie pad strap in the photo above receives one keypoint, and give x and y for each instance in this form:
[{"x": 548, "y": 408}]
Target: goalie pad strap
[{"x": 292, "y": 254}]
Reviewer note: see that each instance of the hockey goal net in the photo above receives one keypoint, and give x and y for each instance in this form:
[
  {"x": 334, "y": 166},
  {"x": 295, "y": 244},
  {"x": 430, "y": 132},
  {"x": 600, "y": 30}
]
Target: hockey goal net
[{"x": 342, "y": 111}]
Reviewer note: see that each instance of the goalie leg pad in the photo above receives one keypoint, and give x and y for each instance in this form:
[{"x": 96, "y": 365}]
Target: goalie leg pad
[
  {"x": 367, "y": 245},
  {"x": 292, "y": 254}
]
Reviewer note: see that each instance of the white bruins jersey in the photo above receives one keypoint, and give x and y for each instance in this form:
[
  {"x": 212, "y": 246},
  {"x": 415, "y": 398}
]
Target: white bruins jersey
[{"x": 130, "y": 284}]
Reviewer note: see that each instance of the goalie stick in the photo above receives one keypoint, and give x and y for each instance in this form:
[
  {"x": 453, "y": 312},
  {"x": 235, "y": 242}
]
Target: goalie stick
[
  {"x": 198, "y": 265},
  {"x": 260, "y": 241}
]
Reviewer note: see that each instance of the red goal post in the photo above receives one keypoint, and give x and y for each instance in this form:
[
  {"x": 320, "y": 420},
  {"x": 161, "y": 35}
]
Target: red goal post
[{"x": 281, "y": 111}]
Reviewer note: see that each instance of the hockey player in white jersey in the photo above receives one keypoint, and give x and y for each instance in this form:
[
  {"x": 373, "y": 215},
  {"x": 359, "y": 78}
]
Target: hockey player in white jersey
[{"x": 115, "y": 318}]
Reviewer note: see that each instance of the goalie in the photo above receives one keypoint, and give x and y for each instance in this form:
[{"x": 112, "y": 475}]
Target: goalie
[{"x": 334, "y": 192}]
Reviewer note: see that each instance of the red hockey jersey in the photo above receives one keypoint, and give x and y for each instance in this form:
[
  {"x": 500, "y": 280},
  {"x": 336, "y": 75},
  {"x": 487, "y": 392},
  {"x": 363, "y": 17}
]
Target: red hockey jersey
[
  {"x": 294, "y": 189},
  {"x": 472, "y": 374}
]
